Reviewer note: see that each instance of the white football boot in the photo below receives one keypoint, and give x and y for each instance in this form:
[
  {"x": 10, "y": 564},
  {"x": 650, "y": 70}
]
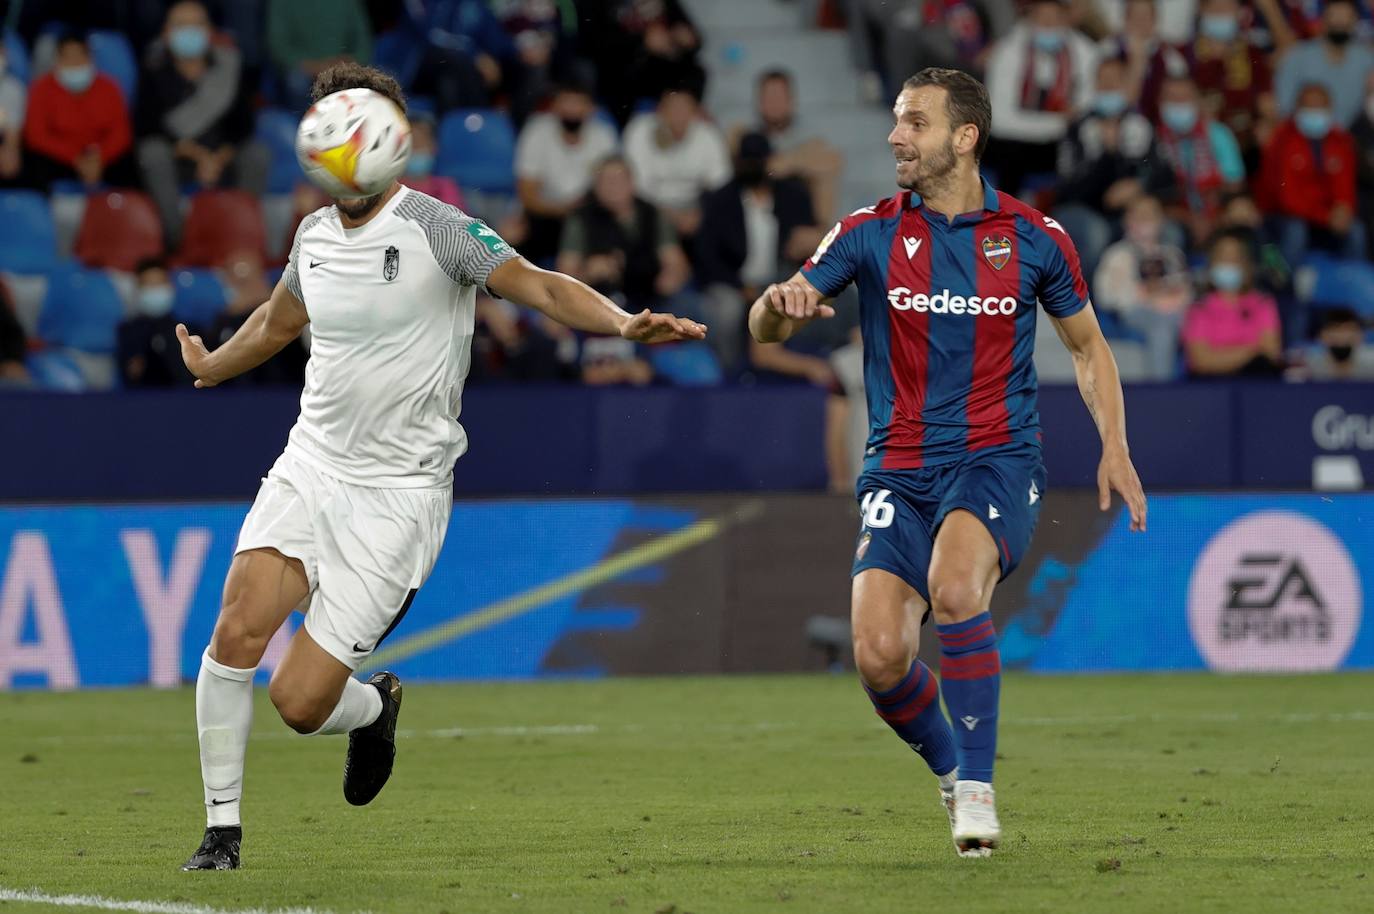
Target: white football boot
[{"x": 974, "y": 819}]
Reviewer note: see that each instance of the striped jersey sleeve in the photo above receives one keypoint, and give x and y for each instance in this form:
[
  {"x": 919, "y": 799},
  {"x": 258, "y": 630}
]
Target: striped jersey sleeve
[
  {"x": 291, "y": 276},
  {"x": 1061, "y": 289},
  {"x": 465, "y": 248}
]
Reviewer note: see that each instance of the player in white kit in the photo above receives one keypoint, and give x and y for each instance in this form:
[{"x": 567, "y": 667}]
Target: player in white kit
[{"x": 350, "y": 519}]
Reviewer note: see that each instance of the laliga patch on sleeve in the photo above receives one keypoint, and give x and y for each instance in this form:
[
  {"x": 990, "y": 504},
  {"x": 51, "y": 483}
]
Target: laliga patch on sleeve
[{"x": 488, "y": 237}]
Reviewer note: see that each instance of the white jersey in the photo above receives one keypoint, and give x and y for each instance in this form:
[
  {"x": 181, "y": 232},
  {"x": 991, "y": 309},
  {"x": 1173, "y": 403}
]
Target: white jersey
[{"x": 391, "y": 306}]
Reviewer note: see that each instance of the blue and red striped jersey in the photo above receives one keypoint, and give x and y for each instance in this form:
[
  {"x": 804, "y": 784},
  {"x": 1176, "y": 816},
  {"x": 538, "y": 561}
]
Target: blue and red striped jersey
[{"x": 947, "y": 310}]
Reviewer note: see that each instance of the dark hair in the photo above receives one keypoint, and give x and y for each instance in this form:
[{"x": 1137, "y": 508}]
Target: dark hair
[
  {"x": 150, "y": 263},
  {"x": 606, "y": 161},
  {"x": 70, "y": 34},
  {"x": 350, "y": 75},
  {"x": 1350, "y": 3},
  {"x": 775, "y": 73},
  {"x": 1236, "y": 235},
  {"x": 573, "y": 85},
  {"x": 966, "y": 101},
  {"x": 1315, "y": 86},
  {"x": 1339, "y": 317}
]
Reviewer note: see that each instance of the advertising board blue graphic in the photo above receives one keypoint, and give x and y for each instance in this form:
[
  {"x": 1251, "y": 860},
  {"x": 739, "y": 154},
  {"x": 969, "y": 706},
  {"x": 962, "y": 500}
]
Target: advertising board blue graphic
[
  {"x": 108, "y": 596},
  {"x": 1225, "y": 582}
]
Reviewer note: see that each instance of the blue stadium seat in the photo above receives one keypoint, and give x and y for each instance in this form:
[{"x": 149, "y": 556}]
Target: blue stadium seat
[
  {"x": 17, "y": 57},
  {"x": 1342, "y": 284},
  {"x": 477, "y": 149},
  {"x": 81, "y": 310},
  {"x": 114, "y": 56},
  {"x": 55, "y": 370},
  {"x": 276, "y": 129},
  {"x": 200, "y": 296},
  {"x": 28, "y": 238},
  {"x": 689, "y": 364}
]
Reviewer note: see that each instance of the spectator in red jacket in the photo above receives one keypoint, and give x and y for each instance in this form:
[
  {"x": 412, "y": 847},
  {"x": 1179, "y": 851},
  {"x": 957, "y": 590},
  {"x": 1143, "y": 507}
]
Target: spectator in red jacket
[
  {"x": 77, "y": 125},
  {"x": 1308, "y": 181}
]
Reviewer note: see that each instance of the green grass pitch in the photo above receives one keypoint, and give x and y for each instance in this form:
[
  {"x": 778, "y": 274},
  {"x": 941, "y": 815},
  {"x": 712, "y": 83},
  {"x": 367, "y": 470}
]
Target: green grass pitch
[{"x": 731, "y": 795}]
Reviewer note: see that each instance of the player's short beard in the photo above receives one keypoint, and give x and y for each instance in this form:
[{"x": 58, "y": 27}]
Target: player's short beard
[
  {"x": 358, "y": 207},
  {"x": 933, "y": 172}
]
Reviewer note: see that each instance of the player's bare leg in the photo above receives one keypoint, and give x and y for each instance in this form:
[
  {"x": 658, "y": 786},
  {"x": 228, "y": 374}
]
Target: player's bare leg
[
  {"x": 316, "y": 694},
  {"x": 261, "y": 589},
  {"x": 964, "y": 570},
  {"x": 886, "y": 620}
]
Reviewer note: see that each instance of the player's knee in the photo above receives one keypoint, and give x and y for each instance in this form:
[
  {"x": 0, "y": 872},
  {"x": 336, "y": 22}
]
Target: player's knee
[
  {"x": 238, "y": 641},
  {"x": 955, "y": 599},
  {"x": 299, "y": 712},
  {"x": 883, "y": 659}
]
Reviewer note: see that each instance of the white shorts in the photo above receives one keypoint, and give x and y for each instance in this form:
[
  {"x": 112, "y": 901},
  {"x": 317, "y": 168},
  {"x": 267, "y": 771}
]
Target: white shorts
[{"x": 366, "y": 551}]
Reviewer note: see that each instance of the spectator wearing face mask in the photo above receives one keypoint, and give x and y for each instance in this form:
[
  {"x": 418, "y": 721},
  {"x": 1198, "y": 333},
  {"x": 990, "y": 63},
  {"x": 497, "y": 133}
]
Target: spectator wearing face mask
[
  {"x": 1103, "y": 165},
  {"x": 554, "y": 159},
  {"x": 1147, "y": 57},
  {"x": 754, "y": 231},
  {"x": 424, "y": 149},
  {"x": 1342, "y": 354},
  {"x": 1144, "y": 280},
  {"x": 1039, "y": 77},
  {"x": 194, "y": 118},
  {"x": 1234, "y": 329},
  {"x": 77, "y": 125},
  {"x": 1307, "y": 181},
  {"x": 1334, "y": 60},
  {"x": 147, "y": 349},
  {"x": 1233, "y": 75},
  {"x": 1241, "y": 216},
  {"x": 1198, "y": 157},
  {"x": 13, "y": 103}
]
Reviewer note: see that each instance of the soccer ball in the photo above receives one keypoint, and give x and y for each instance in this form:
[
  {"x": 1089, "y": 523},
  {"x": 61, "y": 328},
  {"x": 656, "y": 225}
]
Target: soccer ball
[{"x": 353, "y": 143}]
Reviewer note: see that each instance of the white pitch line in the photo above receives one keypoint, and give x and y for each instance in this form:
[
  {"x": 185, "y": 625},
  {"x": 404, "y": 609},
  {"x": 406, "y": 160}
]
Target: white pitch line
[{"x": 100, "y": 902}]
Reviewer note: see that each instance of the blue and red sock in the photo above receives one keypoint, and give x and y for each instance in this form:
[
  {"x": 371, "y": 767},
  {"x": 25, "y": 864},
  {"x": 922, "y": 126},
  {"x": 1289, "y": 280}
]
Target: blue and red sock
[
  {"x": 971, "y": 678},
  {"x": 912, "y": 709}
]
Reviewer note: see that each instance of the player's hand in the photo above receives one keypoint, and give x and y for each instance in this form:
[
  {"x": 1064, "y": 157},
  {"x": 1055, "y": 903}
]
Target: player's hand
[
  {"x": 650, "y": 327},
  {"x": 797, "y": 300},
  {"x": 195, "y": 355},
  {"x": 1117, "y": 473}
]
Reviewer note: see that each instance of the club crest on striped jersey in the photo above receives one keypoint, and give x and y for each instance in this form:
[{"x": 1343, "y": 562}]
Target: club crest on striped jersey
[{"x": 997, "y": 251}]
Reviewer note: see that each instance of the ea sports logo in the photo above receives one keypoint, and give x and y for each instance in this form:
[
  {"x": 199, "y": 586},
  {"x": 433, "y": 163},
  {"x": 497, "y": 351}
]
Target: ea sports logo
[
  {"x": 942, "y": 302},
  {"x": 1274, "y": 591}
]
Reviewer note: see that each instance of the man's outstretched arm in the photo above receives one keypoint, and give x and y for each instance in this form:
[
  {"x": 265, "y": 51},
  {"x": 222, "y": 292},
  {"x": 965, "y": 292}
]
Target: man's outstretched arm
[
  {"x": 786, "y": 307},
  {"x": 268, "y": 329},
  {"x": 577, "y": 305},
  {"x": 1100, "y": 385}
]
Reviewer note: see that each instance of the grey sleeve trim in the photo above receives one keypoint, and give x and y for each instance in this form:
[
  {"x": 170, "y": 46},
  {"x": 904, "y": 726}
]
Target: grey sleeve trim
[
  {"x": 464, "y": 247},
  {"x": 291, "y": 275}
]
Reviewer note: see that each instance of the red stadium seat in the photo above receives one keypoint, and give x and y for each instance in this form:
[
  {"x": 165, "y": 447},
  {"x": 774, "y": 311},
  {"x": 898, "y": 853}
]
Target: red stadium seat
[
  {"x": 120, "y": 228},
  {"x": 221, "y": 221}
]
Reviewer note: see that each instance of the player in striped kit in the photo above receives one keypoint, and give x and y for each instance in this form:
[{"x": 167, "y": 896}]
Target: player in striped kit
[{"x": 949, "y": 273}]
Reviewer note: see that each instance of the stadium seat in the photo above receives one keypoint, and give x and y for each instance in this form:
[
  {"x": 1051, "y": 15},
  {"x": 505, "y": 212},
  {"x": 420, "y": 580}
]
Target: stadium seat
[
  {"x": 118, "y": 229},
  {"x": 221, "y": 221},
  {"x": 477, "y": 149},
  {"x": 114, "y": 56},
  {"x": 689, "y": 364},
  {"x": 200, "y": 296},
  {"x": 1331, "y": 283},
  {"x": 81, "y": 310},
  {"x": 17, "y": 56},
  {"x": 53, "y": 369},
  {"x": 276, "y": 129},
  {"x": 28, "y": 239}
]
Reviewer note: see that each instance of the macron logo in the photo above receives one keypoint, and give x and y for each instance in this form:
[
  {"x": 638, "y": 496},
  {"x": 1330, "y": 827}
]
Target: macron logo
[
  {"x": 1034, "y": 494},
  {"x": 912, "y": 246},
  {"x": 969, "y": 721},
  {"x": 993, "y": 513}
]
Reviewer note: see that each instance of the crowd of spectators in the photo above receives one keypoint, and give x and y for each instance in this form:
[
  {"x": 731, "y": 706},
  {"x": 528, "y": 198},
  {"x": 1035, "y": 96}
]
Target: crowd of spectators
[{"x": 1199, "y": 153}]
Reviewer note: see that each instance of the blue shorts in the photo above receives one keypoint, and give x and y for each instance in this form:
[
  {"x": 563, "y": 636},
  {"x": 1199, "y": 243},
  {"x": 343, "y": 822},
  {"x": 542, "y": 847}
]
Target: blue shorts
[{"x": 903, "y": 509}]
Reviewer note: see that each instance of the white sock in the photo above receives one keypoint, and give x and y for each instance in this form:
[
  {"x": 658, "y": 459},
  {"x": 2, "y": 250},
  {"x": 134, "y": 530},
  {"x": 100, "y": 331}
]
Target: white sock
[
  {"x": 224, "y": 712},
  {"x": 359, "y": 705}
]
